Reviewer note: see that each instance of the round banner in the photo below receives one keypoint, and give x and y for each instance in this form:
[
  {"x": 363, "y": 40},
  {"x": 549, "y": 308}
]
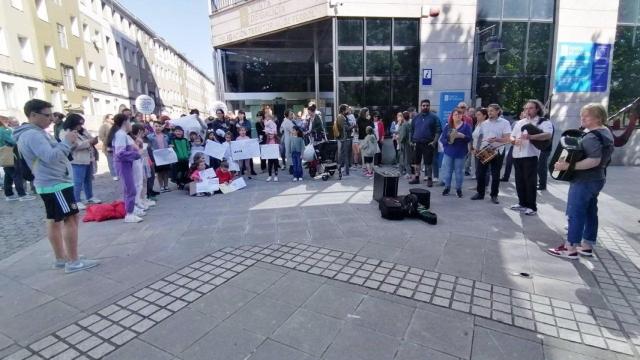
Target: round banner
[{"x": 145, "y": 104}]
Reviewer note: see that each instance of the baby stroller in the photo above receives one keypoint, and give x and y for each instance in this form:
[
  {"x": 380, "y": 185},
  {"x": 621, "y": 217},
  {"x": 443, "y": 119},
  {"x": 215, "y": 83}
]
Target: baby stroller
[{"x": 324, "y": 165}]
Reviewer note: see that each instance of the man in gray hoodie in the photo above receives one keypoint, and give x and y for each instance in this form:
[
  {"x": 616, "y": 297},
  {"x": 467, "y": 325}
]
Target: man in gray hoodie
[{"x": 49, "y": 163}]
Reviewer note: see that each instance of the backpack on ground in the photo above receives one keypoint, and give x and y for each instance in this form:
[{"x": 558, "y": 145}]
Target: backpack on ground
[
  {"x": 410, "y": 205},
  {"x": 391, "y": 208}
]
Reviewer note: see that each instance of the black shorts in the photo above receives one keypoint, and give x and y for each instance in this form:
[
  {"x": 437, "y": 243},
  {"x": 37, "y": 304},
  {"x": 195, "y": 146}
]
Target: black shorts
[
  {"x": 60, "y": 205},
  {"x": 423, "y": 150},
  {"x": 368, "y": 159}
]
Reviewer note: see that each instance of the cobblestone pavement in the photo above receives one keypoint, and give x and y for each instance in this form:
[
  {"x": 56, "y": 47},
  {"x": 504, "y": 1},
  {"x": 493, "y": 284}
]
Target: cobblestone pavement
[{"x": 310, "y": 271}]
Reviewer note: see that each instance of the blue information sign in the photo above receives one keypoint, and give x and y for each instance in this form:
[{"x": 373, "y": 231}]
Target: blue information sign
[
  {"x": 427, "y": 76},
  {"x": 448, "y": 102},
  {"x": 582, "y": 67}
]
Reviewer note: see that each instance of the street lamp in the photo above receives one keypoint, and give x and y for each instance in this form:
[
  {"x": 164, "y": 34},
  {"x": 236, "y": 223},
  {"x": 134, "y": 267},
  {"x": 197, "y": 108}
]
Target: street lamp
[{"x": 490, "y": 50}]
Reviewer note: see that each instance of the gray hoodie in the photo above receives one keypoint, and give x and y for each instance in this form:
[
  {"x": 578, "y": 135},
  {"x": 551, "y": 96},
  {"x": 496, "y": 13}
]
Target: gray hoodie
[{"x": 47, "y": 158}]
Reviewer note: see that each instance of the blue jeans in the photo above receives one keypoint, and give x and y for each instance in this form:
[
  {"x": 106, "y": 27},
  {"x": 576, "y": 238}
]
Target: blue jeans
[
  {"x": 82, "y": 180},
  {"x": 297, "y": 164},
  {"x": 582, "y": 211},
  {"x": 112, "y": 168},
  {"x": 450, "y": 166}
]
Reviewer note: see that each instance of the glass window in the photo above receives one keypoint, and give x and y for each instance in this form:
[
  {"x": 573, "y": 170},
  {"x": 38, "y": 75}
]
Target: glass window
[
  {"x": 378, "y": 62},
  {"x": 350, "y": 92},
  {"x": 539, "y": 44},
  {"x": 514, "y": 36},
  {"x": 628, "y": 11},
  {"x": 68, "y": 79},
  {"x": 350, "y": 32},
  {"x": 405, "y": 32},
  {"x": 483, "y": 66},
  {"x": 625, "y": 73},
  {"x": 511, "y": 92},
  {"x": 542, "y": 9},
  {"x": 405, "y": 90},
  {"x": 378, "y": 32},
  {"x": 489, "y": 9},
  {"x": 350, "y": 63},
  {"x": 405, "y": 62},
  {"x": 516, "y": 9},
  {"x": 377, "y": 93}
]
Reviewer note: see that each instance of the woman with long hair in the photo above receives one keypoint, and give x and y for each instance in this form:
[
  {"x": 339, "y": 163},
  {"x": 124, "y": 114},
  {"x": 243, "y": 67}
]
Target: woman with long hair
[
  {"x": 125, "y": 153},
  {"x": 455, "y": 137},
  {"x": 103, "y": 132},
  {"x": 364, "y": 120},
  {"x": 82, "y": 160}
]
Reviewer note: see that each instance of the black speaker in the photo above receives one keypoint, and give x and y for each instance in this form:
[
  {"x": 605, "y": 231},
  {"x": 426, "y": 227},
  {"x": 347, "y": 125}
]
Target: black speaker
[{"x": 385, "y": 184}]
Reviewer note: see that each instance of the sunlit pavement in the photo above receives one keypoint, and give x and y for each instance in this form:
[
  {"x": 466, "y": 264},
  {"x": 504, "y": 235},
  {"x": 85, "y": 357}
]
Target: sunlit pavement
[{"x": 310, "y": 270}]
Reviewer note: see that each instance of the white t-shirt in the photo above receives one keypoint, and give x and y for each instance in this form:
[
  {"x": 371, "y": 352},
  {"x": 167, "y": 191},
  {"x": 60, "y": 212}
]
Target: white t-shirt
[
  {"x": 526, "y": 148},
  {"x": 494, "y": 129}
]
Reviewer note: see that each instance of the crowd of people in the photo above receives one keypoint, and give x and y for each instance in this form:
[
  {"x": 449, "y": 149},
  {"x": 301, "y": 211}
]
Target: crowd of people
[{"x": 61, "y": 166}]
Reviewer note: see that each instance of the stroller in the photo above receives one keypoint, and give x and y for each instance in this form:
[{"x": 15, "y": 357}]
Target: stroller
[{"x": 324, "y": 165}]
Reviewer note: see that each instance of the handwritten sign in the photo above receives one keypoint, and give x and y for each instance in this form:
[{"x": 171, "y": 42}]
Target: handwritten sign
[
  {"x": 270, "y": 151},
  {"x": 235, "y": 185},
  {"x": 215, "y": 149},
  {"x": 209, "y": 183},
  {"x": 245, "y": 149},
  {"x": 165, "y": 156}
]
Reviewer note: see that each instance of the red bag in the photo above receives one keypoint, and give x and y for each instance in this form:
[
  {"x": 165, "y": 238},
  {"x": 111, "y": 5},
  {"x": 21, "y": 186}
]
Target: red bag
[{"x": 102, "y": 212}]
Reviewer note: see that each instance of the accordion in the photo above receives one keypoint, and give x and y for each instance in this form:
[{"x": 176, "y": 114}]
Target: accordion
[
  {"x": 534, "y": 130},
  {"x": 570, "y": 150}
]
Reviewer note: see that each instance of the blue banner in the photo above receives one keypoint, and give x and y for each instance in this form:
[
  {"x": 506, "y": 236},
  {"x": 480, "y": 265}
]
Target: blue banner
[
  {"x": 582, "y": 67},
  {"x": 448, "y": 102}
]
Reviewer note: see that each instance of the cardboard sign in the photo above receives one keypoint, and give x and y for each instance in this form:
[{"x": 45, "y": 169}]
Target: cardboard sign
[
  {"x": 245, "y": 149},
  {"x": 187, "y": 123},
  {"x": 209, "y": 183},
  {"x": 215, "y": 149},
  {"x": 235, "y": 185},
  {"x": 165, "y": 156},
  {"x": 198, "y": 150},
  {"x": 269, "y": 151},
  {"x": 234, "y": 166}
]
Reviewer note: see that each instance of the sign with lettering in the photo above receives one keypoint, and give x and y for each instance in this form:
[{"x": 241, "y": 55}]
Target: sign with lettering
[
  {"x": 245, "y": 149},
  {"x": 582, "y": 67}
]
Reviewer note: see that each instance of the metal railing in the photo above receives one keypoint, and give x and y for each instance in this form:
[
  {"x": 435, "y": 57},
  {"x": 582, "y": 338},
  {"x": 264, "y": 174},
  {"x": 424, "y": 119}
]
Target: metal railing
[{"x": 218, "y": 5}]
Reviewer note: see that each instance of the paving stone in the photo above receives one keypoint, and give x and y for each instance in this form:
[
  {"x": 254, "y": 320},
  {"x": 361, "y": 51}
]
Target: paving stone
[
  {"x": 546, "y": 309},
  {"x": 78, "y": 337},
  {"x": 566, "y": 314},
  {"x": 89, "y": 344},
  {"x": 440, "y": 301},
  {"x": 111, "y": 331},
  {"x": 67, "y": 355},
  {"x": 404, "y": 292},
  {"x": 428, "y": 281},
  {"x": 123, "y": 337},
  {"x": 502, "y": 317},
  {"x": 131, "y": 320},
  {"x": 567, "y": 324},
  {"x": 143, "y": 325},
  {"x": 592, "y": 340},
  {"x": 462, "y": 297},
  {"x": 482, "y": 302},
  {"x": 445, "y": 285},
  {"x": 176, "y": 305},
  {"x": 99, "y": 326},
  {"x": 482, "y": 286},
  {"x": 525, "y": 313},
  {"x": 54, "y": 349},
  {"x": 502, "y": 298},
  {"x": 443, "y": 293},
  {"x": 585, "y": 318},
  {"x": 308, "y": 331},
  {"x": 422, "y": 296},
  {"x": 524, "y": 323},
  {"x": 384, "y": 316},
  {"x": 619, "y": 346},
  {"x": 43, "y": 343},
  {"x": 372, "y": 284},
  {"x": 546, "y": 329},
  {"x": 493, "y": 345},
  {"x": 438, "y": 330},
  {"x": 547, "y": 319},
  {"x": 569, "y": 335},
  {"x": 119, "y": 315},
  {"x": 461, "y": 306},
  {"x": 89, "y": 320},
  {"x": 589, "y": 329},
  {"x": 101, "y": 350},
  {"x": 501, "y": 307}
]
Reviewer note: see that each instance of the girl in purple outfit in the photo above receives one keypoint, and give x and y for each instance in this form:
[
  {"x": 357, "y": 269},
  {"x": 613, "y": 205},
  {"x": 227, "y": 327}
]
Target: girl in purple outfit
[{"x": 125, "y": 152}]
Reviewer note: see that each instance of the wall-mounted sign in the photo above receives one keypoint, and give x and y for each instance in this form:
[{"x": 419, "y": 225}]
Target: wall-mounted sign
[
  {"x": 582, "y": 67},
  {"x": 448, "y": 102},
  {"x": 427, "y": 76}
]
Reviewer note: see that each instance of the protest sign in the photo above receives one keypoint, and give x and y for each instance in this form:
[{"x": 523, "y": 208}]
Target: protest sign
[
  {"x": 245, "y": 149},
  {"x": 269, "y": 151},
  {"x": 233, "y": 166},
  {"x": 198, "y": 150},
  {"x": 236, "y": 184},
  {"x": 187, "y": 123},
  {"x": 145, "y": 104},
  {"x": 209, "y": 183},
  {"x": 165, "y": 156},
  {"x": 215, "y": 149}
]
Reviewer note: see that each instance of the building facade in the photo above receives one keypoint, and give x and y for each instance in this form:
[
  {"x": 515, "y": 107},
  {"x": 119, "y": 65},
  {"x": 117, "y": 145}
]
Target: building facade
[
  {"x": 389, "y": 55},
  {"x": 94, "y": 57}
]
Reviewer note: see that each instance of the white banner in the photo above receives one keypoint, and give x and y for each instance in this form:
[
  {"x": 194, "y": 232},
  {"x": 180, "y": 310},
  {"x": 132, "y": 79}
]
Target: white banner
[
  {"x": 236, "y": 184},
  {"x": 245, "y": 149},
  {"x": 165, "y": 156},
  {"x": 270, "y": 151},
  {"x": 209, "y": 183},
  {"x": 187, "y": 123},
  {"x": 215, "y": 149}
]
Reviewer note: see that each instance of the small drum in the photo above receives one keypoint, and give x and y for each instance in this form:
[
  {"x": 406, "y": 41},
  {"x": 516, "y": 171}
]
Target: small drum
[{"x": 486, "y": 154}]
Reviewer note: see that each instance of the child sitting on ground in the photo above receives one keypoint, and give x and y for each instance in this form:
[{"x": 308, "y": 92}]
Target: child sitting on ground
[
  {"x": 224, "y": 175},
  {"x": 195, "y": 170}
]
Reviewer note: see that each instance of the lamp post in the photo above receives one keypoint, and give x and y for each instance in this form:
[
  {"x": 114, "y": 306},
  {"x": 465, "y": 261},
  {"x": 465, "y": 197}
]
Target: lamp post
[{"x": 490, "y": 50}]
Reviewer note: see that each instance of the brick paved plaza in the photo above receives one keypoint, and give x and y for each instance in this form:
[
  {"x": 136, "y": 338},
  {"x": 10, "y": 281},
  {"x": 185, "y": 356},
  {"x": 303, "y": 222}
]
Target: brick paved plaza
[{"x": 310, "y": 271}]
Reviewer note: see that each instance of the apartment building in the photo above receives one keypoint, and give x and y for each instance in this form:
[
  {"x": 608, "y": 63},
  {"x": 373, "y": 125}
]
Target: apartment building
[{"x": 94, "y": 57}]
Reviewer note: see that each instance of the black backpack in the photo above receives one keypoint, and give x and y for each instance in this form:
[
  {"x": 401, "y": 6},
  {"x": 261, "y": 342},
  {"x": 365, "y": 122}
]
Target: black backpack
[
  {"x": 391, "y": 208},
  {"x": 21, "y": 165},
  {"x": 410, "y": 205}
]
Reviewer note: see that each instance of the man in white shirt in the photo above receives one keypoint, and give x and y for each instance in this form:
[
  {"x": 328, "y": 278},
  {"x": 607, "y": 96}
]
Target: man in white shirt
[
  {"x": 494, "y": 132},
  {"x": 525, "y": 156}
]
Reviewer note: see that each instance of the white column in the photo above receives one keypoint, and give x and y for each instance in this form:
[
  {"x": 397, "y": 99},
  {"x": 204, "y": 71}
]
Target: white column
[{"x": 447, "y": 48}]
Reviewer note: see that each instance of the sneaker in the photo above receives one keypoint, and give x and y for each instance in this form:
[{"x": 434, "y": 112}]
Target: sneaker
[
  {"x": 94, "y": 200},
  {"x": 164, "y": 189},
  {"x": 132, "y": 218},
  {"x": 269, "y": 179},
  {"x": 295, "y": 179},
  {"x": 459, "y": 193},
  {"x": 26, "y": 198},
  {"x": 517, "y": 207},
  {"x": 138, "y": 211},
  {"x": 153, "y": 193},
  {"x": 115, "y": 178},
  {"x": 275, "y": 179},
  {"x": 530, "y": 212},
  {"x": 370, "y": 174},
  {"x": 561, "y": 251},
  {"x": 200, "y": 194},
  {"x": 413, "y": 182},
  {"x": 429, "y": 182},
  {"x": 141, "y": 205},
  {"x": 445, "y": 192},
  {"x": 149, "y": 202},
  {"x": 477, "y": 196},
  {"x": 585, "y": 252},
  {"x": 253, "y": 173},
  {"x": 11, "y": 198},
  {"x": 81, "y": 206},
  {"x": 299, "y": 179},
  {"x": 494, "y": 199},
  {"x": 80, "y": 264}
]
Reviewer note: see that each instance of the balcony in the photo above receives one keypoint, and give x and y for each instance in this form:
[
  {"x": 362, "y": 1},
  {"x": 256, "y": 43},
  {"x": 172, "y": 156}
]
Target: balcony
[{"x": 219, "y": 5}]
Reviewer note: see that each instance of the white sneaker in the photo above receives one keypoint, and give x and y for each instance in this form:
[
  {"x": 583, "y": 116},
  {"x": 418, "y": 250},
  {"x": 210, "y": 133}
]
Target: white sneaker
[
  {"x": 275, "y": 178},
  {"x": 149, "y": 202},
  {"x": 132, "y": 218},
  {"x": 94, "y": 200},
  {"x": 81, "y": 206},
  {"x": 11, "y": 198},
  {"x": 138, "y": 211},
  {"x": 26, "y": 198},
  {"x": 299, "y": 179},
  {"x": 517, "y": 207},
  {"x": 115, "y": 178},
  {"x": 295, "y": 179},
  {"x": 80, "y": 264},
  {"x": 529, "y": 212},
  {"x": 142, "y": 205},
  {"x": 269, "y": 179}
]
